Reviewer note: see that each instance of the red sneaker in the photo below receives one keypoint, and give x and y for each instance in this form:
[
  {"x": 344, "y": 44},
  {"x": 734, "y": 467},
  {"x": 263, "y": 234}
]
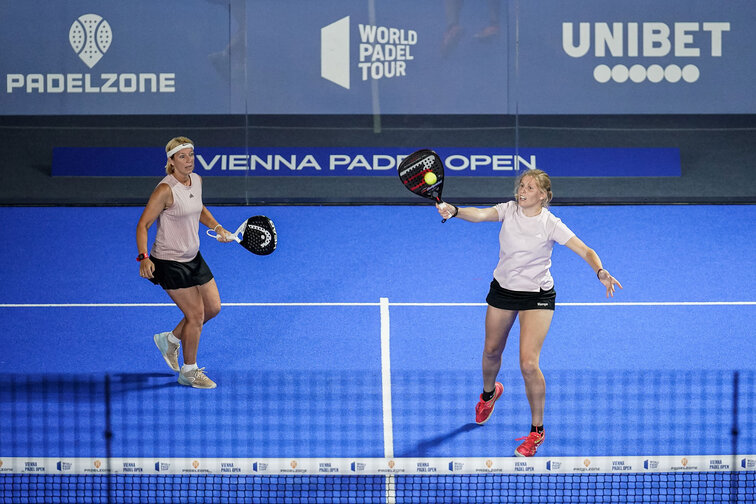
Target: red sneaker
[
  {"x": 484, "y": 409},
  {"x": 531, "y": 444}
]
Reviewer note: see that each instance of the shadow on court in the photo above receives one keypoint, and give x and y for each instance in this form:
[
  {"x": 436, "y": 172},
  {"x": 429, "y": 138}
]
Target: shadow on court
[
  {"x": 130, "y": 382},
  {"x": 427, "y": 446},
  {"x": 71, "y": 388}
]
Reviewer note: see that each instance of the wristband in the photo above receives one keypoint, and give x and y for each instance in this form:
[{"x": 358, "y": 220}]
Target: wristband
[
  {"x": 599, "y": 271},
  {"x": 142, "y": 257},
  {"x": 456, "y": 211}
]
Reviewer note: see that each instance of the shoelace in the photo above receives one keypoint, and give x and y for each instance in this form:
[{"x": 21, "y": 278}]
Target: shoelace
[
  {"x": 533, "y": 435},
  {"x": 485, "y": 404},
  {"x": 199, "y": 373}
]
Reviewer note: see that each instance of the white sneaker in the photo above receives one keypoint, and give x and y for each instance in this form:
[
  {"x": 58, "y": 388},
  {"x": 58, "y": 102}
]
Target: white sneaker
[
  {"x": 168, "y": 349},
  {"x": 196, "y": 378}
]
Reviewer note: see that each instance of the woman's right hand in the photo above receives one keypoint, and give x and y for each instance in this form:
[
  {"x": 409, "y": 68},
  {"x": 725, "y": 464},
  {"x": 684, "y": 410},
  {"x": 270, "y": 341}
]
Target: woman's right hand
[
  {"x": 446, "y": 210},
  {"x": 146, "y": 268}
]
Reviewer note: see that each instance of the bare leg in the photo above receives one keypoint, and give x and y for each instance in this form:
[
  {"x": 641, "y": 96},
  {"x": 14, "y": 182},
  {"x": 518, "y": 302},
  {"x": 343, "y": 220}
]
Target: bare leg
[
  {"x": 534, "y": 325},
  {"x": 498, "y": 324},
  {"x": 198, "y": 304}
]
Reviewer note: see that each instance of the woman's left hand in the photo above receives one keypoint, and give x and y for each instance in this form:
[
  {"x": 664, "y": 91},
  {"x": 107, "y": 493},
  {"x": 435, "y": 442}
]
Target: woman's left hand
[
  {"x": 609, "y": 282},
  {"x": 224, "y": 236}
]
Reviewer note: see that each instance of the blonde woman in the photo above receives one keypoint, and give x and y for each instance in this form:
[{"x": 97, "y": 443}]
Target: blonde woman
[
  {"x": 174, "y": 261},
  {"x": 523, "y": 286}
]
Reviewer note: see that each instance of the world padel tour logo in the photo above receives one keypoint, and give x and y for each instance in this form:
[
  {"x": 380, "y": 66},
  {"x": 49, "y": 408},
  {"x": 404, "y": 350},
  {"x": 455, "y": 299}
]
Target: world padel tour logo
[
  {"x": 634, "y": 45},
  {"x": 90, "y": 37},
  {"x": 383, "y": 52}
]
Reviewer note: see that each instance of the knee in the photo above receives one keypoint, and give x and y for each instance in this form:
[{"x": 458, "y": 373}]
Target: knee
[
  {"x": 529, "y": 367},
  {"x": 211, "y": 310},
  {"x": 492, "y": 352},
  {"x": 194, "y": 318}
]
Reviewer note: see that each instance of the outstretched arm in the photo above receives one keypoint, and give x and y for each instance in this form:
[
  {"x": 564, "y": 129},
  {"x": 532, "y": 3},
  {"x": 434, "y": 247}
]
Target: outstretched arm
[
  {"x": 469, "y": 214},
  {"x": 594, "y": 261}
]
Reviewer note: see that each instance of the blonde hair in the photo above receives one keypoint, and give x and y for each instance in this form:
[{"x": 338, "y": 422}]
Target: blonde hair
[
  {"x": 174, "y": 142},
  {"x": 541, "y": 179}
]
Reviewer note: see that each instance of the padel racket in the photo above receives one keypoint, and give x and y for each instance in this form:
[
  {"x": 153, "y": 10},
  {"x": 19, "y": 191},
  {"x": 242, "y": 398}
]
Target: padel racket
[
  {"x": 256, "y": 234},
  {"x": 422, "y": 172}
]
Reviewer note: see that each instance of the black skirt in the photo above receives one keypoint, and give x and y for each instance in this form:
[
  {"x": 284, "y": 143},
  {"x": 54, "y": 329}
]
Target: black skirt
[
  {"x": 506, "y": 299},
  {"x": 180, "y": 275}
]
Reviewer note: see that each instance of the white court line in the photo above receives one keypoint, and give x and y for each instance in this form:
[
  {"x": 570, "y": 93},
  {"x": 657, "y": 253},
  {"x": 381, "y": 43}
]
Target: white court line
[
  {"x": 670, "y": 303},
  {"x": 388, "y": 421},
  {"x": 142, "y": 305},
  {"x": 609, "y": 303}
]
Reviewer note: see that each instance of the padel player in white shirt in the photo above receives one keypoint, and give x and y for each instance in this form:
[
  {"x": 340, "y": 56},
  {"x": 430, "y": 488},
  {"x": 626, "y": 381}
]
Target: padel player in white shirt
[{"x": 523, "y": 287}]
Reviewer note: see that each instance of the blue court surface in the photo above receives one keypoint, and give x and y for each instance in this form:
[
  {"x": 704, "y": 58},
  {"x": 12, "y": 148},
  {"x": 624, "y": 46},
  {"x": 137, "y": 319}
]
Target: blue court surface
[{"x": 361, "y": 336}]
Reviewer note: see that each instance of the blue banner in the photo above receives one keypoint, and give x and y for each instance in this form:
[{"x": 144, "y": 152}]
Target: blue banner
[
  {"x": 377, "y": 57},
  {"x": 349, "y": 162}
]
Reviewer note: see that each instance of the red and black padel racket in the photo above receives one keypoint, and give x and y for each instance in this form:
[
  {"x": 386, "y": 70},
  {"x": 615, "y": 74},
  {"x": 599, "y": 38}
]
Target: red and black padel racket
[{"x": 422, "y": 173}]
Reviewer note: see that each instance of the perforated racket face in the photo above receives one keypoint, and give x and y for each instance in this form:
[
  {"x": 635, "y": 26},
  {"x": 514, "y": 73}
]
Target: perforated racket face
[
  {"x": 413, "y": 169},
  {"x": 259, "y": 235}
]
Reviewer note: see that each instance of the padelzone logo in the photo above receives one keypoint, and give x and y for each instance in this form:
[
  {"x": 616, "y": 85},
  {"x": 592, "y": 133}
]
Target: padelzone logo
[
  {"x": 383, "y": 52},
  {"x": 90, "y": 37},
  {"x": 643, "y": 51}
]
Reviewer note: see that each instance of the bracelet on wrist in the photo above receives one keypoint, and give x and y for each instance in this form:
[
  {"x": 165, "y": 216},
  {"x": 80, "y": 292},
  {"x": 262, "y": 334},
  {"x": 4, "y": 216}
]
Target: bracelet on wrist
[
  {"x": 598, "y": 273},
  {"x": 456, "y": 211}
]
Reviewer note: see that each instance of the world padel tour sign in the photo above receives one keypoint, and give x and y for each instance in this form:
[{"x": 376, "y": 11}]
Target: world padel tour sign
[
  {"x": 326, "y": 161},
  {"x": 550, "y": 57}
]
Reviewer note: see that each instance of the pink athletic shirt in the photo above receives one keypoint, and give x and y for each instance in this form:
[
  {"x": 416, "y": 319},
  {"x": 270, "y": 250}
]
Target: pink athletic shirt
[
  {"x": 177, "y": 236},
  {"x": 525, "y": 245}
]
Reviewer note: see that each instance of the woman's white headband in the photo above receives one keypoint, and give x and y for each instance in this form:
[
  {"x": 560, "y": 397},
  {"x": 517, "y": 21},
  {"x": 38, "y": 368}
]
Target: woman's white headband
[{"x": 178, "y": 148}]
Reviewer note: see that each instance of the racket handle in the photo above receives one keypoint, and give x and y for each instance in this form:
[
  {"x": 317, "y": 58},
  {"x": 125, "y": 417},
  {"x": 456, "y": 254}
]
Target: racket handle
[
  {"x": 438, "y": 200},
  {"x": 213, "y": 234}
]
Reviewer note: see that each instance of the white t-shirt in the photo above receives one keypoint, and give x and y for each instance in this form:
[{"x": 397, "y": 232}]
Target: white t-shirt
[{"x": 525, "y": 245}]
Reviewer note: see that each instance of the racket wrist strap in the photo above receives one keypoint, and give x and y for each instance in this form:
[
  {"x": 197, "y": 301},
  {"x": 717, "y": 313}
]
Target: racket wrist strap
[{"x": 216, "y": 227}]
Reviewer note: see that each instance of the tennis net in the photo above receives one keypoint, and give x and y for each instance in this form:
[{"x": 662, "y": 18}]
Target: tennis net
[
  {"x": 616, "y": 436},
  {"x": 690, "y": 483}
]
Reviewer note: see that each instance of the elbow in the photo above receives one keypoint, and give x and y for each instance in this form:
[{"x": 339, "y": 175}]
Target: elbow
[
  {"x": 590, "y": 254},
  {"x": 143, "y": 227}
]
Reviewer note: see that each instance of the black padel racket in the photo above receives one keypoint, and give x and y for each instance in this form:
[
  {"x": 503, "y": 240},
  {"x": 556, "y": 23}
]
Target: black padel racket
[
  {"x": 257, "y": 234},
  {"x": 422, "y": 172}
]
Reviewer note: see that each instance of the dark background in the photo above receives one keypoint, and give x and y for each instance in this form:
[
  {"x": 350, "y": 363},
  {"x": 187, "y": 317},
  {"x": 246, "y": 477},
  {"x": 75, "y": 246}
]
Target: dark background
[{"x": 717, "y": 155}]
